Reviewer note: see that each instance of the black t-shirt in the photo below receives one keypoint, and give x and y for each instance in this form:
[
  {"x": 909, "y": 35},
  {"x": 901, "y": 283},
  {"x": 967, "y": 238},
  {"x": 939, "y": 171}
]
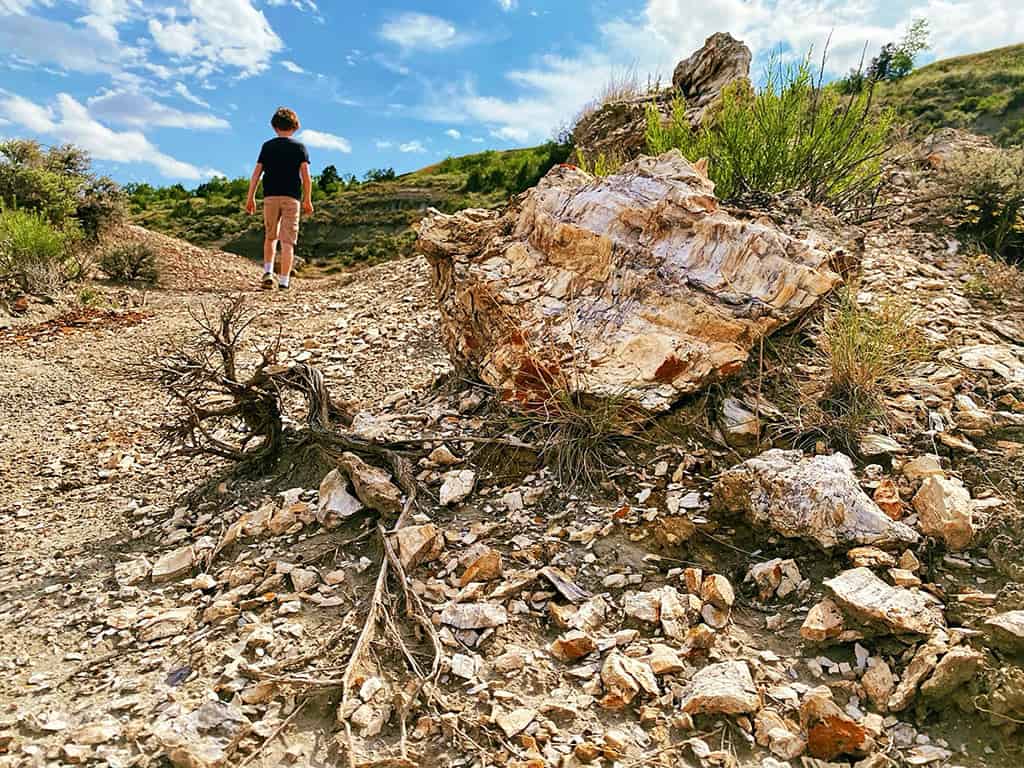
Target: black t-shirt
[{"x": 281, "y": 158}]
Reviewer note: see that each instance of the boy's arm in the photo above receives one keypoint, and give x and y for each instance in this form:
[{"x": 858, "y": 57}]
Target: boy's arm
[
  {"x": 250, "y": 201},
  {"x": 307, "y": 189}
]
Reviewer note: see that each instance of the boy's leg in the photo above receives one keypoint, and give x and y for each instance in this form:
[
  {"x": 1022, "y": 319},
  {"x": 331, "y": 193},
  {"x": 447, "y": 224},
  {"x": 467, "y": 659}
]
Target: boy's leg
[
  {"x": 289, "y": 234},
  {"x": 269, "y": 246},
  {"x": 272, "y": 225}
]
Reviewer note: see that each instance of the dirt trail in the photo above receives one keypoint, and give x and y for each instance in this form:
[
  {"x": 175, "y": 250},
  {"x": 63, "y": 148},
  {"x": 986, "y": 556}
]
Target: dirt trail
[{"x": 79, "y": 452}]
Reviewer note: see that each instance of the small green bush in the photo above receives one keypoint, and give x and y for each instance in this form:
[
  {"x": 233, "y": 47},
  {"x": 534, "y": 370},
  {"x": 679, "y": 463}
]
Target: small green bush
[
  {"x": 33, "y": 253},
  {"x": 135, "y": 262},
  {"x": 788, "y": 136},
  {"x": 986, "y": 202}
]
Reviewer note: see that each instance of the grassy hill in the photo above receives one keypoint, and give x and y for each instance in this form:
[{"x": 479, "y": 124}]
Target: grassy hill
[
  {"x": 982, "y": 92},
  {"x": 355, "y": 222}
]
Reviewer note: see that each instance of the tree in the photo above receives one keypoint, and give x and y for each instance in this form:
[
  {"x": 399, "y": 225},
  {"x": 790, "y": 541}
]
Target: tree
[
  {"x": 328, "y": 179},
  {"x": 893, "y": 62}
]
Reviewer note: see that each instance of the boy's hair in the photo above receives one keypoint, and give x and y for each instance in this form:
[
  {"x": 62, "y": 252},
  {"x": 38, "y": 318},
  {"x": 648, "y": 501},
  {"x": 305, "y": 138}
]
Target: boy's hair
[{"x": 285, "y": 120}]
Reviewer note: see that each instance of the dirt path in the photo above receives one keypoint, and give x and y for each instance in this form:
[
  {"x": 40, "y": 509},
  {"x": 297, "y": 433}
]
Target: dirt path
[{"x": 80, "y": 464}]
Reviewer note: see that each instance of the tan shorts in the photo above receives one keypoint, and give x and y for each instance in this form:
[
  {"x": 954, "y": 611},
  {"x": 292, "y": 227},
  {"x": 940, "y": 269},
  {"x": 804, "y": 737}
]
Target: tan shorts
[{"x": 281, "y": 217}]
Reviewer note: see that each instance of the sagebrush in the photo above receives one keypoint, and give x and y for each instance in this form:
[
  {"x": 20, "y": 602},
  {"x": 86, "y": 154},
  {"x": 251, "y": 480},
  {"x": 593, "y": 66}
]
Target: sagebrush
[
  {"x": 33, "y": 252},
  {"x": 132, "y": 262},
  {"x": 986, "y": 199},
  {"x": 789, "y": 135}
]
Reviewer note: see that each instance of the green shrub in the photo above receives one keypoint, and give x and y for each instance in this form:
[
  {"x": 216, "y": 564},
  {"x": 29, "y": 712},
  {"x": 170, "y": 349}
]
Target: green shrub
[
  {"x": 788, "y": 136},
  {"x": 130, "y": 263},
  {"x": 33, "y": 253},
  {"x": 986, "y": 202},
  {"x": 605, "y": 164},
  {"x": 58, "y": 184}
]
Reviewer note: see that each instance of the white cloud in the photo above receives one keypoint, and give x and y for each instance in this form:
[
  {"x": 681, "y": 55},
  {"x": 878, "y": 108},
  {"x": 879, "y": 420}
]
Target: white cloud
[
  {"x": 420, "y": 31},
  {"x": 217, "y": 34},
  {"x": 384, "y": 144},
  {"x": 412, "y": 146},
  {"x": 478, "y": 139},
  {"x": 508, "y": 5},
  {"x": 79, "y": 49},
  {"x": 291, "y": 66},
  {"x": 182, "y": 90},
  {"x": 69, "y": 121},
  {"x": 300, "y": 5},
  {"x": 137, "y": 110},
  {"x": 15, "y": 7},
  {"x": 105, "y": 16},
  {"x": 452, "y": 133},
  {"x": 323, "y": 140}
]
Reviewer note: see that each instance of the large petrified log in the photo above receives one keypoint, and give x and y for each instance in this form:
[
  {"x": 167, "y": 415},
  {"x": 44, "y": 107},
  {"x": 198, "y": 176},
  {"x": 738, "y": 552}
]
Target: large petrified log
[
  {"x": 618, "y": 127},
  {"x": 636, "y": 285}
]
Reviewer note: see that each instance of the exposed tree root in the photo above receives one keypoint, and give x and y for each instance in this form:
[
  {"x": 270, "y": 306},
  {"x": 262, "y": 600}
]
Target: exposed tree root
[{"x": 233, "y": 410}]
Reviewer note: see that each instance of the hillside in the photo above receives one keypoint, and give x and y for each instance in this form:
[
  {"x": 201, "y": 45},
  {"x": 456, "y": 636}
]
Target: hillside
[
  {"x": 356, "y": 223},
  {"x": 369, "y": 222},
  {"x": 982, "y": 92}
]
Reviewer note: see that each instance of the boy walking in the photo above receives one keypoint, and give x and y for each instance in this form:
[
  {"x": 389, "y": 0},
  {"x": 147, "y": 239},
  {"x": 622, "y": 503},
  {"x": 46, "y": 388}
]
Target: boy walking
[{"x": 284, "y": 166}]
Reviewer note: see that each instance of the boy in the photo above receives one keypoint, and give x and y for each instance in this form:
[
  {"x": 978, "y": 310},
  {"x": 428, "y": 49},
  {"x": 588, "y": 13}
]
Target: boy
[{"x": 284, "y": 165}]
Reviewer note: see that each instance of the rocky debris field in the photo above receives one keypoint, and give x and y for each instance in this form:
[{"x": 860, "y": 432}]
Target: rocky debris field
[{"x": 715, "y": 601}]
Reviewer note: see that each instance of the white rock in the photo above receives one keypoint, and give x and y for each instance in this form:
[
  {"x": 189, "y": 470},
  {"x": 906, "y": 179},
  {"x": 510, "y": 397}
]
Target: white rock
[{"x": 457, "y": 486}]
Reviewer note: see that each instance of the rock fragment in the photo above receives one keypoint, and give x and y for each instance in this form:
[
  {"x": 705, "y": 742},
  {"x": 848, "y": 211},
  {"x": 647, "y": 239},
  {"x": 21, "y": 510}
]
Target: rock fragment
[
  {"x": 725, "y": 688},
  {"x": 823, "y": 622},
  {"x": 943, "y": 506},
  {"x": 418, "y": 544},
  {"x": 830, "y": 731},
  {"x": 957, "y": 667},
  {"x": 816, "y": 498},
  {"x": 173, "y": 565},
  {"x": 871, "y": 601},
  {"x": 336, "y": 503},
  {"x": 1007, "y": 630},
  {"x": 204, "y": 738},
  {"x": 474, "y": 615},
  {"x": 373, "y": 486},
  {"x": 457, "y": 486}
]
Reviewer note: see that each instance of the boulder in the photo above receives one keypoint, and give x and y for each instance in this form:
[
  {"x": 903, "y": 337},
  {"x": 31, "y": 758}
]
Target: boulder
[
  {"x": 871, "y": 601},
  {"x": 725, "y": 688},
  {"x": 943, "y": 507},
  {"x": 618, "y": 128},
  {"x": 701, "y": 78},
  {"x": 816, "y": 498},
  {"x": 636, "y": 286}
]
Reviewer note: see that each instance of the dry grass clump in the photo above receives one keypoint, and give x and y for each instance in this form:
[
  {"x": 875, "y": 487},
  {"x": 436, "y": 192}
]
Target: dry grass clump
[
  {"x": 831, "y": 380},
  {"x": 622, "y": 85},
  {"x": 991, "y": 277}
]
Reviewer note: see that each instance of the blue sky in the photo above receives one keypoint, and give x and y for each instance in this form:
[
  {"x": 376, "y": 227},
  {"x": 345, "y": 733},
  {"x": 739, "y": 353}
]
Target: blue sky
[{"x": 178, "y": 91}]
